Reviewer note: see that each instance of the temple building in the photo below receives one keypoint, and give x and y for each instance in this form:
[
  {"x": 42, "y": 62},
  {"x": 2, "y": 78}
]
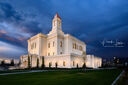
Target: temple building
[{"x": 57, "y": 49}]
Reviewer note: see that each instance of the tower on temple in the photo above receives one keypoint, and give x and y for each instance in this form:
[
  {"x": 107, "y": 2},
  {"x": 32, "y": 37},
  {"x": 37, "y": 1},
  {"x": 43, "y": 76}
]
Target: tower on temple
[{"x": 56, "y": 24}]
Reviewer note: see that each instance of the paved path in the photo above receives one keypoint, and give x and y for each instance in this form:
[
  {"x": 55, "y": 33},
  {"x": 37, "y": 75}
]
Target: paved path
[
  {"x": 24, "y": 72},
  {"x": 115, "y": 81}
]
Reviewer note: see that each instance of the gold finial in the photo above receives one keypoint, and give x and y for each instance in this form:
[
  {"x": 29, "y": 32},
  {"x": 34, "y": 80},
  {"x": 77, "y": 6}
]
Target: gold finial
[{"x": 57, "y": 15}]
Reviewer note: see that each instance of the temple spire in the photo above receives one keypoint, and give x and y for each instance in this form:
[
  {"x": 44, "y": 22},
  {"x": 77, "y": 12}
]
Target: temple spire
[
  {"x": 56, "y": 24},
  {"x": 57, "y": 16}
]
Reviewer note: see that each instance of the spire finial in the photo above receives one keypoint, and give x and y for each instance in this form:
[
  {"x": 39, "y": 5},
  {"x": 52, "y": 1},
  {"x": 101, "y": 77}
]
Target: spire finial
[{"x": 57, "y": 15}]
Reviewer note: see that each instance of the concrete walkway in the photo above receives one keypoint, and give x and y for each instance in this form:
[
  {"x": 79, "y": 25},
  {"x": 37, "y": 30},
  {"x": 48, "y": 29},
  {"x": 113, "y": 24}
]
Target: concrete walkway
[
  {"x": 114, "y": 82},
  {"x": 24, "y": 72}
]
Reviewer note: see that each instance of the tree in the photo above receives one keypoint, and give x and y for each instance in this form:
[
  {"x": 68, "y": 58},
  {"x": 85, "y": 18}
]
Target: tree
[
  {"x": 19, "y": 63},
  {"x": 12, "y": 62},
  {"x": 84, "y": 57},
  {"x": 115, "y": 61},
  {"x": 2, "y": 62},
  {"x": 84, "y": 65},
  {"x": 50, "y": 65},
  {"x": 77, "y": 65},
  {"x": 31, "y": 60},
  {"x": 56, "y": 64},
  {"x": 29, "y": 64},
  {"x": 37, "y": 63},
  {"x": 43, "y": 66}
]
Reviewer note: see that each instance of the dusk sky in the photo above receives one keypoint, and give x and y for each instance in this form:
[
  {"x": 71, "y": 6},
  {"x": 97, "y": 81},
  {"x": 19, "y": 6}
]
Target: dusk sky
[{"x": 91, "y": 21}]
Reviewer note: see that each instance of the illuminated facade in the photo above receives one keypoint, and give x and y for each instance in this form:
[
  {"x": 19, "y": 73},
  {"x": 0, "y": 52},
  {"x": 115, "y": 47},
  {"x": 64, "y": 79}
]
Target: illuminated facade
[
  {"x": 93, "y": 61},
  {"x": 56, "y": 49}
]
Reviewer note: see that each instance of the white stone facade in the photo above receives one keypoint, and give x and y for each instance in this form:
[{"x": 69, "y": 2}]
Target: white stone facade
[
  {"x": 93, "y": 61},
  {"x": 57, "y": 48}
]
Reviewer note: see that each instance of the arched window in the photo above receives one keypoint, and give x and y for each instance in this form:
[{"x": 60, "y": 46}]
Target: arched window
[
  {"x": 59, "y": 23},
  {"x": 73, "y": 63},
  {"x": 64, "y": 63},
  {"x": 54, "y": 22},
  {"x": 75, "y": 45},
  {"x": 53, "y": 43},
  {"x": 31, "y": 46},
  {"x": 35, "y": 45},
  {"x": 60, "y": 52},
  {"x": 48, "y": 45},
  {"x": 80, "y": 48},
  {"x": 48, "y": 54},
  {"x": 61, "y": 43}
]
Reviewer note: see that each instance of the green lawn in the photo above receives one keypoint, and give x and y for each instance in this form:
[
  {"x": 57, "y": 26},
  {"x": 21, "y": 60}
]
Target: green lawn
[{"x": 99, "y": 77}]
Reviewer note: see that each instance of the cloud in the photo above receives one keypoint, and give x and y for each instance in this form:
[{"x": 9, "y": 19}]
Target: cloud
[
  {"x": 3, "y": 49},
  {"x": 8, "y": 13},
  {"x": 3, "y": 32},
  {"x": 8, "y": 50},
  {"x": 15, "y": 28}
]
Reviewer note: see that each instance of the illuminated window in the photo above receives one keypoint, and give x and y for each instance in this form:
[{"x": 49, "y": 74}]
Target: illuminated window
[
  {"x": 75, "y": 45},
  {"x": 59, "y": 24},
  {"x": 53, "y": 43},
  {"x": 48, "y": 54},
  {"x": 64, "y": 63},
  {"x": 80, "y": 48},
  {"x": 60, "y": 52},
  {"x": 54, "y": 22},
  {"x": 32, "y": 46},
  {"x": 48, "y": 45},
  {"x": 61, "y": 43},
  {"x": 73, "y": 63},
  {"x": 35, "y": 45}
]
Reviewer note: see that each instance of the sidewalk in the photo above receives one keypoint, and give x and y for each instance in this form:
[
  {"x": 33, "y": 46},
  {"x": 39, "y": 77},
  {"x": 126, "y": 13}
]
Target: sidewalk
[{"x": 24, "y": 72}]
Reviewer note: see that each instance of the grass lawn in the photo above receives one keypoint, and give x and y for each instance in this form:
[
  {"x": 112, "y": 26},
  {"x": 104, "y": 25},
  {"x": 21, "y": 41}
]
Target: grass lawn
[{"x": 99, "y": 77}]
